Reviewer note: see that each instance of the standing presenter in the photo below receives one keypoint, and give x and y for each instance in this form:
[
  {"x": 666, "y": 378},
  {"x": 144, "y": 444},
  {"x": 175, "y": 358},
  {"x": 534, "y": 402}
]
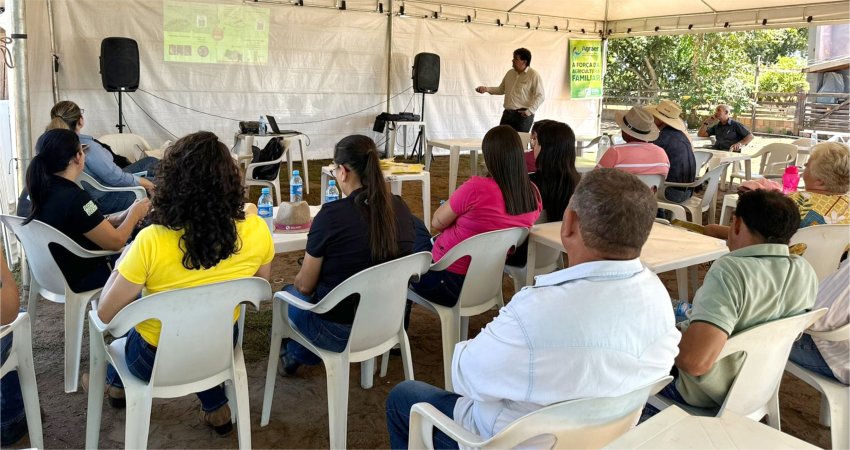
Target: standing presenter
[{"x": 523, "y": 91}]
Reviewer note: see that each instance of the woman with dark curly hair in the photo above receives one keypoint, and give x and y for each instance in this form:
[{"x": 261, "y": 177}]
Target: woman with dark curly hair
[{"x": 199, "y": 234}]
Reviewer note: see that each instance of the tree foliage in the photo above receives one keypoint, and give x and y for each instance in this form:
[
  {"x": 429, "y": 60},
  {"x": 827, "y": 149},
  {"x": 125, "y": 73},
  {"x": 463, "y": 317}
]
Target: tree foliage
[{"x": 702, "y": 70}]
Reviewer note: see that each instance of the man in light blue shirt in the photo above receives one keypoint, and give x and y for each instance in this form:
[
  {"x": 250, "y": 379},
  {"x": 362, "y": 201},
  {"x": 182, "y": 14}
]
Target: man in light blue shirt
[{"x": 602, "y": 327}]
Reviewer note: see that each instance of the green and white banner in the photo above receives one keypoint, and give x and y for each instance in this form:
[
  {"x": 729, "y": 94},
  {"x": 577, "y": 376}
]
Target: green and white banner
[{"x": 585, "y": 68}]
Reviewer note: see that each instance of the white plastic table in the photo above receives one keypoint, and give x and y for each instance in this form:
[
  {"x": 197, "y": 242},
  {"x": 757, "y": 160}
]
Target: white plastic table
[
  {"x": 420, "y": 125},
  {"x": 395, "y": 181},
  {"x": 292, "y": 242},
  {"x": 454, "y": 146},
  {"x": 673, "y": 428},
  {"x": 668, "y": 248}
]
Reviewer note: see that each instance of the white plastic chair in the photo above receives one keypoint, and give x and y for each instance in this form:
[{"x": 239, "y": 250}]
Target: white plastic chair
[
  {"x": 138, "y": 191},
  {"x": 775, "y": 158},
  {"x": 46, "y": 279},
  {"x": 702, "y": 158},
  {"x": 587, "y": 423},
  {"x": 20, "y": 359},
  {"x": 824, "y": 246},
  {"x": 695, "y": 206},
  {"x": 195, "y": 353},
  {"x": 129, "y": 145},
  {"x": 835, "y": 396},
  {"x": 656, "y": 184},
  {"x": 548, "y": 261},
  {"x": 378, "y": 326},
  {"x": 754, "y": 392},
  {"x": 482, "y": 287}
]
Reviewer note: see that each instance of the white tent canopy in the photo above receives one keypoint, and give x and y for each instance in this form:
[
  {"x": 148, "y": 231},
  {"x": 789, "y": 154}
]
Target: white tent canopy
[{"x": 330, "y": 71}]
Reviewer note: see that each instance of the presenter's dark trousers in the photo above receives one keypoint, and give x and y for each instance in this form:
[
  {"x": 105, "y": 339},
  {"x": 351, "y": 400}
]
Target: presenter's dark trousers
[{"x": 517, "y": 121}]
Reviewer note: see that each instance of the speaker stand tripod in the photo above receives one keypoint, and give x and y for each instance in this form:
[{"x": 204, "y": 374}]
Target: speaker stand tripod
[
  {"x": 419, "y": 143},
  {"x": 120, "y": 125}
]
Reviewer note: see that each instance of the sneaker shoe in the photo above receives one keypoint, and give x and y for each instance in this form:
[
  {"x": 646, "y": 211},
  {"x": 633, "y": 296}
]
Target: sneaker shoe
[
  {"x": 218, "y": 420},
  {"x": 287, "y": 366},
  {"x": 114, "y": 394}
]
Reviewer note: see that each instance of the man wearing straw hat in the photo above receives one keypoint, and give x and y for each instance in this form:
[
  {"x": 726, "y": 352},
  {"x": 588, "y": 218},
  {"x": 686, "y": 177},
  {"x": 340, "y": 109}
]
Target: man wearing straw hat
[
  {"x": 638, "y": 155},
  {"x": 674, "y": 140}
]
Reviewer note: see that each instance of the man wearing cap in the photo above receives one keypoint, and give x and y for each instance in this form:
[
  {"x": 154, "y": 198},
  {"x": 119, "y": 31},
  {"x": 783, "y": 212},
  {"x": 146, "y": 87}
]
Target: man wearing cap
[
  {"x": 638, "y": 155},
  {"x": 731, "y": 135},
  {"x": 674, "y": 140},
  {"x": 523, "y": 91}
]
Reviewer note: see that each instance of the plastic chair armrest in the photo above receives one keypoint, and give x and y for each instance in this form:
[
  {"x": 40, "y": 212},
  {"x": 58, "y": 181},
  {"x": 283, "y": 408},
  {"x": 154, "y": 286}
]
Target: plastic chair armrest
[
  {"x": 431, "y": 417},
  {"x": 83, "y": 253},
  {"x": 94, "y": 321},
  {"x": 684, "y": 185},
  {"x": 677, "y": 210},
  {"x": 11, "y": 326},
  {"x": 836, "y": 335},
  {"x": 264, "y": 163},
  {"x": 322, "y": 307}
]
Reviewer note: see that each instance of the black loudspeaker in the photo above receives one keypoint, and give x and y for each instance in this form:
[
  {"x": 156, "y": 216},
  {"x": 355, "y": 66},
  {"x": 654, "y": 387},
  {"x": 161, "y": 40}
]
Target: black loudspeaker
[
  {"x": 426, "y": 73},
  {"x": 119, "y": 64}
]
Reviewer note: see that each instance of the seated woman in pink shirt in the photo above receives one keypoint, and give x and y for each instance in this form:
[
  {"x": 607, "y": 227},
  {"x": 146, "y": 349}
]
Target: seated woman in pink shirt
[{"x": 505, "y": 198}]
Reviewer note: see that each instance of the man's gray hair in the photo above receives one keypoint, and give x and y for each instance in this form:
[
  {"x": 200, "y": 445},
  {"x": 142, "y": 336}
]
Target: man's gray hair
[
  {"x": 615, "y": 210},
  {"x": 725, "y": 107}
]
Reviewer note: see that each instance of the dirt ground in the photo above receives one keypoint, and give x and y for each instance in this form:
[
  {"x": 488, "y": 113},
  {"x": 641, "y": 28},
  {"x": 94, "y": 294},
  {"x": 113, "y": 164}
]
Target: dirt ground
[{"x": 299, "y": 412}]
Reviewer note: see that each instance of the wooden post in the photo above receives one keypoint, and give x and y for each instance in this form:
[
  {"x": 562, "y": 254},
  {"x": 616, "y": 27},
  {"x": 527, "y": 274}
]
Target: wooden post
[
  {"x": 755, "y": 95},
  {"x": 800, "y": 116}
]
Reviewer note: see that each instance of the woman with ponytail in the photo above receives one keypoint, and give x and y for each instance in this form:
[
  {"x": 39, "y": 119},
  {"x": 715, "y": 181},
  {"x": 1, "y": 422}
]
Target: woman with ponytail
[
  {"x": 60, "y": 203},
  {"x": 100, "y": 163},
  {"x": 368, "y": 227}
]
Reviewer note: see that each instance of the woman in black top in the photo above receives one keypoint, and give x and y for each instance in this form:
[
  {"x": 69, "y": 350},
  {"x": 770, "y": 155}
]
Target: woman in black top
[
  {"x": 368, "y": 227},
  {"x": 556, "y": 176},
  {"x": 60, "y": 203}
]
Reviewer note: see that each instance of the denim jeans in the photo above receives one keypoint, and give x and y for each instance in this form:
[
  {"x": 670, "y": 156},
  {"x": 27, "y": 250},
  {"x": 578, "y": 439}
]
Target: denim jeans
[
  {"x": 11, "y": 398},
  {"x": 678, "y": 195},
  {"x": 403, "y": 397},
  {"x": 147, "y": 164},
  {"x": 441, "y": 287},
  {"x": 111, "y": 202},
  {"x": 140, "y": 358},
  {"x": 322, "y": 333},
  {"x": 670, "y": 392},
  {"x": 517, "y": 121},
  {"x": 805, "y": 353}
]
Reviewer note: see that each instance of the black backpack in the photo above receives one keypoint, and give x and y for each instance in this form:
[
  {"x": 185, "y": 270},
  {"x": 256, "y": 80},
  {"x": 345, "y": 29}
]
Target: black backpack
[{"x": 270, "y": 152}]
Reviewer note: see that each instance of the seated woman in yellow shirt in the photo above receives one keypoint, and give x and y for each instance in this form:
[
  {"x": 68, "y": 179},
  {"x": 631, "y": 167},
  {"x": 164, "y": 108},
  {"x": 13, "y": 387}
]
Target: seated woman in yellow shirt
[{"x": 199, "y": 234}]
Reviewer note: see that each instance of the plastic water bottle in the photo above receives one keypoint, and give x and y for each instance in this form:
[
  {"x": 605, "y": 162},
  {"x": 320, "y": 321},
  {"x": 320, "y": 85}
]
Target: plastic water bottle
[
  {"x": 682, "y": 311},
  {"x": 265, "y": 208},
  {"x": 332, "y": 194},
  {"x": 263, "y": 126},
  {"x": 296, "y": 187},
  {"x": 790, "y": 179}
]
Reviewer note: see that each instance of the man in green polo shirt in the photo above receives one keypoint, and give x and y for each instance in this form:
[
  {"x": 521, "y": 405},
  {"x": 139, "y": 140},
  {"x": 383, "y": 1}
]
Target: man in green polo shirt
[{"x": 757, "y": 282}]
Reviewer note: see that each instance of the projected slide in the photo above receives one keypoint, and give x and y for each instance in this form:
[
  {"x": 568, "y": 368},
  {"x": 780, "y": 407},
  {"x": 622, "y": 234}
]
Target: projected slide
[{"x": 215, "y": 33}]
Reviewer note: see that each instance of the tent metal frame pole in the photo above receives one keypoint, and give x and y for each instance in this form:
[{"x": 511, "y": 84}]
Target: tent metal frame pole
[
  {"x": 55, "y": 65},
  {"x": 389, "y": 54},
  {"x": 19, "y": 87}
]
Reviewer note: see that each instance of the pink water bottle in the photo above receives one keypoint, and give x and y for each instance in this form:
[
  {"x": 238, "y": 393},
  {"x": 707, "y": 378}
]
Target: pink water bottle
[{"x": 790, "y": 180}]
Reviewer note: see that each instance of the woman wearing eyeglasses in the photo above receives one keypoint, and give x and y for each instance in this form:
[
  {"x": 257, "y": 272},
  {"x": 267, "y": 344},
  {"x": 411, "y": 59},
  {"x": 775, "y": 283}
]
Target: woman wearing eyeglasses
[
  {"x": 60, "y": 203},
  {"x": 368, "y": 227},
  {"x": 100, "y": 161}
]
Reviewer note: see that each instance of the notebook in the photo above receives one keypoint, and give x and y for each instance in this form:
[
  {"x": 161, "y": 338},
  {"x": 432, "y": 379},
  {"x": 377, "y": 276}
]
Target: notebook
[{"x": 276, "y": 130}]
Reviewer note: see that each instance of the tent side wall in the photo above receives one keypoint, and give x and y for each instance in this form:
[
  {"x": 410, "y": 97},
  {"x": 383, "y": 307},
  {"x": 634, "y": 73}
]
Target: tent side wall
[{"x": 322, "y": 64}]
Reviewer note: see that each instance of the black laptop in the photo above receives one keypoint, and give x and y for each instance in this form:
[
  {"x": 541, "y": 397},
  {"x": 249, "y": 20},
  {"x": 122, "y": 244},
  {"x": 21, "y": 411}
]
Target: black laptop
[{"x": 276, "y": 130}]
